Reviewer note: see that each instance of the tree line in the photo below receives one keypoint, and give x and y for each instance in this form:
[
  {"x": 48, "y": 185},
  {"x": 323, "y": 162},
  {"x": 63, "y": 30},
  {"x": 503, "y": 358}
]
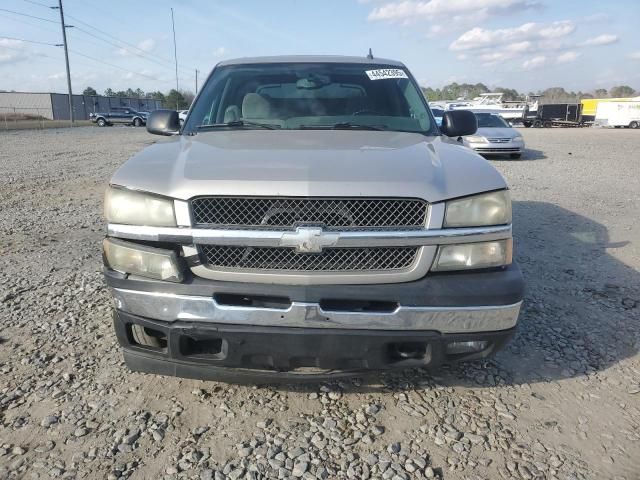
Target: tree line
[
  {"x": 469, "y": 91},
  {"x": 181, "y": 99},
  {"x": 176, "y": 99}
]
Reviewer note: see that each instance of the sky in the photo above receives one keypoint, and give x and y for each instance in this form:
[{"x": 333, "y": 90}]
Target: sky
[{"x": 528, "y": 45}]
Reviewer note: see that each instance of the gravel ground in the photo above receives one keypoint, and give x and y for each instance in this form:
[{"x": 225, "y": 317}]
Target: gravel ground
[{"x": 562, "y": 401}]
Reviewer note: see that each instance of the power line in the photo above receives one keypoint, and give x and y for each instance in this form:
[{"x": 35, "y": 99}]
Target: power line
[
  {"x": 87, "y": 40},
  {"x": 118, "y": 67},
  {"x": 142, "y": 53},
  {"x": 22, "y": 51},
  {"x": 86, "y": 32},
  {"x": 98, "y": 44},
  {"x": 32, "y": 24},
  {"x": 32, "y": 41},
  {"x": 82, "y": 55},
  {"x": 27, "y": 15},
  {"x": 79, "y": 54},
  {"x": 82, "y": 63},
  {"x": 103, "y": 13},
  {"x": 37, "y": 3}
]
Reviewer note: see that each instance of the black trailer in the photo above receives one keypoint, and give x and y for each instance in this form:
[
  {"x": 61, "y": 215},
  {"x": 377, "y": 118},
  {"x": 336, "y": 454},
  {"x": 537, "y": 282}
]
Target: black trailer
[{"x": 559, "y": 115}]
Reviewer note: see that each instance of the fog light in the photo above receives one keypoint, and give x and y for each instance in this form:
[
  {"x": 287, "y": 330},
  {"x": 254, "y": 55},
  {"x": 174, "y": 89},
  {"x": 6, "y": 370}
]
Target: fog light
[
  {"x": 457, "y": 348},
  {"x": 127, "y": 257},
  {"x": 468, "y": 256}
]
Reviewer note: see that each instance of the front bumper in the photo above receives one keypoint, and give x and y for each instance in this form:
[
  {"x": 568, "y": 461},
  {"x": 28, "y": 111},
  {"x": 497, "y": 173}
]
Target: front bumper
[
  {"x": 238, "y": 353},
  {"x": 231, "y": 330},
  {"x": 335, "y": 313},
  {"x": 490, "y": 148}
]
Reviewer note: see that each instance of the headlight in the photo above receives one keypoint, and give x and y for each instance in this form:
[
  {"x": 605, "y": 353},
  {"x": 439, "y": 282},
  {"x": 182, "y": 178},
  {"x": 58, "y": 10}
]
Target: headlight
[
  {"x": 135, "y": 208},
  {"x": 476, "y": 139},
  {"x": 470, "y": 256},
  {"x": 492, "y": 208},
  {"x": 127, "y": 257},
  {"x": 517, "y": 138}
]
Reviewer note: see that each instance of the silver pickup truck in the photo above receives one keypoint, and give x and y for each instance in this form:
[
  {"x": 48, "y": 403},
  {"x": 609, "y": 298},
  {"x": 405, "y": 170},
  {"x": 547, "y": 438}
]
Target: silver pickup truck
[{"x": 309, "y": 219}]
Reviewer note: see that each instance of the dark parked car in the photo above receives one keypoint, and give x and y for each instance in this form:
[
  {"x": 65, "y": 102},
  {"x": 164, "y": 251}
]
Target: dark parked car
[{"x": 124, "y": 115}]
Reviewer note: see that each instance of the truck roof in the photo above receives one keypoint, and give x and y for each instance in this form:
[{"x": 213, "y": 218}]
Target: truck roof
[{"x": 311, "y": 59}]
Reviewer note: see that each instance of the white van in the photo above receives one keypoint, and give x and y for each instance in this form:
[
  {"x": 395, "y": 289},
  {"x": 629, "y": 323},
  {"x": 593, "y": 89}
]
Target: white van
[{"x": 618, "y": 114}]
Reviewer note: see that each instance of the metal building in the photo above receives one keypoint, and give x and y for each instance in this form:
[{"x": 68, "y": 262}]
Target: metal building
[
  {"x": 27, "y": 104},
  {"x": 55, "y": 106}
]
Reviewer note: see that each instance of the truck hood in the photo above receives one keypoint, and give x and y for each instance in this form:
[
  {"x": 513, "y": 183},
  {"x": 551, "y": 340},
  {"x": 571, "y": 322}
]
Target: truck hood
[{"x": 309, "y": 163}]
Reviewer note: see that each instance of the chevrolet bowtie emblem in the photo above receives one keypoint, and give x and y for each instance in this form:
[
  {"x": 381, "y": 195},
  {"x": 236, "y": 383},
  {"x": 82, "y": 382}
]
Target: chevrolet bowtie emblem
[{"x": 309, "y": 239}]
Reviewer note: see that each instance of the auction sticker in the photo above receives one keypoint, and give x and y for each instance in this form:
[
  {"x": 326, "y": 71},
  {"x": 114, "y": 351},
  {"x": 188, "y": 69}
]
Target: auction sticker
[{"x": 383, "y": 73}]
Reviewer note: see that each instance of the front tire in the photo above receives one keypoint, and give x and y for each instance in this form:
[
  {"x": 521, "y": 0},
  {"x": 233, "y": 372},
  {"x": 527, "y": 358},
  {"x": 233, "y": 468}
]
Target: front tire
[
  {"x": 101, "y": 122},
  {"x": 634, "y": 124},
  {"x": 137, "y": 122},
  {"x": 141, "y": 337}
]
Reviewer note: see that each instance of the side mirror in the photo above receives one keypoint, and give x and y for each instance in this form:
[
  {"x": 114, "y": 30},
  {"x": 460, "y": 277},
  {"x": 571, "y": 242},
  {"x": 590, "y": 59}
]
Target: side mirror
[
  {"x": 458, "y": 123},
  {"x": 163, "y": 122}
]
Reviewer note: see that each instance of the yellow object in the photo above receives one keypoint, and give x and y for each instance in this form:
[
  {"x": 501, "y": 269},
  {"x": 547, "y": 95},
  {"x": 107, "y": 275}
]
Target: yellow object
[{"x": 590, "y": 105}]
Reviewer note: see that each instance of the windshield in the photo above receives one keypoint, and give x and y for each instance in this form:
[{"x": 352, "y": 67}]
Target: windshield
[
  {"x": 311, "y": 96},
  {"x": 490, "y": 120}
]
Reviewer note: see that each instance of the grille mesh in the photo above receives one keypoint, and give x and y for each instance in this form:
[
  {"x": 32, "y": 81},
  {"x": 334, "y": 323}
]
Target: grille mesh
[
  {"x": 330, "y": 260},
  {"x": 497, "y": 149},
  {"x": 287, "y": 213}
]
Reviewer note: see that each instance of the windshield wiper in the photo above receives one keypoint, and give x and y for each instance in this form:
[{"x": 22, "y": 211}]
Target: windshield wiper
[
  {"x": 347, "y": 125},
  {"x": 238, "y": 123},
  {"x": 344, "y": 126}
]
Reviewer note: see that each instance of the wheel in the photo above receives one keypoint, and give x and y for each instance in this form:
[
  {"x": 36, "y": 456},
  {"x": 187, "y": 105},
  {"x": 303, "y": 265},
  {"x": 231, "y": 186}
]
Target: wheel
[
  {"x": 141, "y": 337},
  {"x": 547, "y": 124},
  {"x": 515, "y": 156},
  {"x": 137, "y": 122},
  {"x": 537, "y": 123},
  {"x": 527, "y": 124},
  {"x": 102, "y": 122},
  {"x": 634, "y": 124}
]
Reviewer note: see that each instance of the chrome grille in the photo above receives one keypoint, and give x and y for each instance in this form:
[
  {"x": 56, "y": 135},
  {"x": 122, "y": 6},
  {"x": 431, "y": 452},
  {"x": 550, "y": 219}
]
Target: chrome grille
[
  {"x": 499, "y": 140},
  {"x": 287, "y": 259},
  {"x": 497, "y": 149},
  {"x": 288, "y": 213}
]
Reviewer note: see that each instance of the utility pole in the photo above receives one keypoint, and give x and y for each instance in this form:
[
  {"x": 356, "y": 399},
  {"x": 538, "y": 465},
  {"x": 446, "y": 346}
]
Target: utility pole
[
  {"x": 175, "y": 56},
  {"x": 66, "y": 58},
  {"x": 196, "y": 81}
]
